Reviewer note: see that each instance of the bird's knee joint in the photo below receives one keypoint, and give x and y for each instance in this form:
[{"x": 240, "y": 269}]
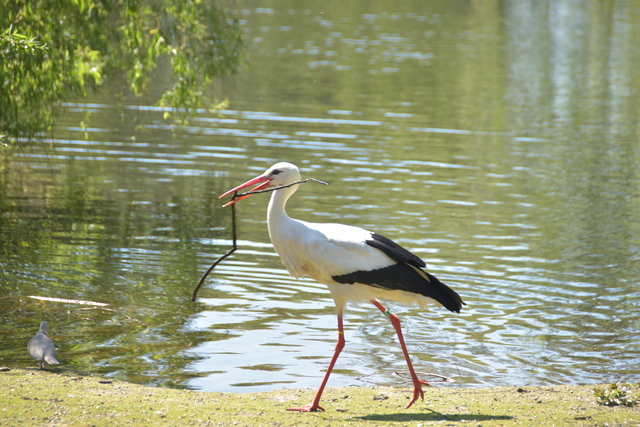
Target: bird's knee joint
[{"x": 390, "y": 315}]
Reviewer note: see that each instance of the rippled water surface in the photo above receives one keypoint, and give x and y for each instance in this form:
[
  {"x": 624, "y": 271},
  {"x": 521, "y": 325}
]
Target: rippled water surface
[{"x": 499, "y": 144}]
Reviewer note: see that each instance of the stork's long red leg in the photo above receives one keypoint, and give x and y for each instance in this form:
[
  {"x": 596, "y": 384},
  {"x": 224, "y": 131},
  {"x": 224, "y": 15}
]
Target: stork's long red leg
[
  {"x": 417, "y": 382},
  {"x": 315, "y": 405}
]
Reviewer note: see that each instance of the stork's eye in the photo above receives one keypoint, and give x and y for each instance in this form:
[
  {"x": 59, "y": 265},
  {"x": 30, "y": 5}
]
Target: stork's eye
[{"x": 276, "y": 172}]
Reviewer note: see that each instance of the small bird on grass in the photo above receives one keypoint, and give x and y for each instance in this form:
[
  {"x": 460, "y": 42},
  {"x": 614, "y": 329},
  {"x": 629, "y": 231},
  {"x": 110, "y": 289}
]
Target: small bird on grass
[{"x": 41, "y": 346}]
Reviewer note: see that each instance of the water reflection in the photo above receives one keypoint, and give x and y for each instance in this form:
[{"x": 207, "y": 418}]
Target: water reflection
[{"x": 502, "y": 155}]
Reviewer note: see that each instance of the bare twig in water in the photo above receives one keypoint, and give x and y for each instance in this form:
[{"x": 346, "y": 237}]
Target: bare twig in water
[
  {"x": 233, "y": 225},
  {"x": 85, "y": 309},
  {"x": 232, "y": 250},
  {"x": 442, "y": 379},
  {"x": 405, "y": 376},
  {"x": 81, "y": 317},
  {"x": 68, "y": 301},
  {"x": 100, "y": 308}
]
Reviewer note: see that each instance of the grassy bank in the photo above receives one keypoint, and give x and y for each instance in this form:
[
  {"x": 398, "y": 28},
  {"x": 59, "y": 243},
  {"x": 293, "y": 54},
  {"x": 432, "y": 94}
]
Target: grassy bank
[{"x": 32, "y": 397}]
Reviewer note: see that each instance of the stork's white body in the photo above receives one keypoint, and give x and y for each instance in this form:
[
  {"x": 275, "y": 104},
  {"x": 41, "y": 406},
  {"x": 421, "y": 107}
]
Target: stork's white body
[
  {"x": 357, "y": 265},
  {"x": 321, "y": 251}
]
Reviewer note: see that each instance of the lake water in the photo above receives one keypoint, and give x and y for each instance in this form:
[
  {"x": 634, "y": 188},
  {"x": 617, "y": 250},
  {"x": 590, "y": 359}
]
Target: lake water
[{"x": 498, "y": 141}]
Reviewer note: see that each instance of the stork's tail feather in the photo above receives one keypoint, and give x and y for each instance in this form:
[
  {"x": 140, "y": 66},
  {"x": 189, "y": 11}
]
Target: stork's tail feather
[{"x": 444, "y": 294}]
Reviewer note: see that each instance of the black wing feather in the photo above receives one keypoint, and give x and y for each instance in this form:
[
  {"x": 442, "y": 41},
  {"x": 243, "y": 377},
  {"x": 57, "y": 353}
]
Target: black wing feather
[
  {"x": 405, "y": 275},
  {"x": 394, "y": 251}
]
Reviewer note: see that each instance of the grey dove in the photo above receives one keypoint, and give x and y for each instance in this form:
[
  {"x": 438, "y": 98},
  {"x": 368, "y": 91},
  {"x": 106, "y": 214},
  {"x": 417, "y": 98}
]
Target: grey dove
[{"x": 41, "y": 346}]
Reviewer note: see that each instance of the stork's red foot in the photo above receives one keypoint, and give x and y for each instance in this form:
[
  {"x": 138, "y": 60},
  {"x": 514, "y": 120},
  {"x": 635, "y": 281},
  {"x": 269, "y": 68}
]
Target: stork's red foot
[
  {"x": 417, "y": 392},
  {"x": 309, "y": 408}
]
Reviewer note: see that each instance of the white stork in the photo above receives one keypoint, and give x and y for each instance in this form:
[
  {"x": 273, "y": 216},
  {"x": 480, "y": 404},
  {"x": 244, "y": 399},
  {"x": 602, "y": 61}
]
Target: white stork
[{"x": 357, "y": 265}]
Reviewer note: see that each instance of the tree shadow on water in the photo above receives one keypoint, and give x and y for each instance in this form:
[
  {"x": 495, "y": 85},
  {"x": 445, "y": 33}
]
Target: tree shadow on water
[{"x": 432, "y": 416}]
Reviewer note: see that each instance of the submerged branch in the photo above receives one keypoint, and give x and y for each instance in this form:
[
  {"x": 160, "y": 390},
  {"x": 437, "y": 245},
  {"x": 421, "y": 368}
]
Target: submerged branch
[
  {"x": 68, "y": 301},
  {"x": 232, "y": 250},
  {"x": 235, "y": 197}
]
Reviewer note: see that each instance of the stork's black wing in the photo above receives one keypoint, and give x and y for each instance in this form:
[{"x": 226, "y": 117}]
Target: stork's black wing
[{"x": 406, "y": 275}]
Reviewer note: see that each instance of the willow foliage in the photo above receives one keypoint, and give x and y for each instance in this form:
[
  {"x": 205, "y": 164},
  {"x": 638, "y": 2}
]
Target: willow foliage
[{"x": 55, "y": 50}]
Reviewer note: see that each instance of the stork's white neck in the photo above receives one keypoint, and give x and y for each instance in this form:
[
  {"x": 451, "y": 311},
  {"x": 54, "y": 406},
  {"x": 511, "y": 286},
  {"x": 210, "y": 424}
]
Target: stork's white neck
[
  {"x": 285, "y": 232},
  {"x": 276, "y": 213}
]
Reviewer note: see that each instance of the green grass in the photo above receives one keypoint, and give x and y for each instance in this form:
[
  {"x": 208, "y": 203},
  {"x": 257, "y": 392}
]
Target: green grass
[{"x": 58, "y": 397}]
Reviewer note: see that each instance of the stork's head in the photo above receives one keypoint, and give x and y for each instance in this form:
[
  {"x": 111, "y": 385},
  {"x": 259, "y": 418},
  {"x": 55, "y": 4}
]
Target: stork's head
[{"x": 282, "y": 173}]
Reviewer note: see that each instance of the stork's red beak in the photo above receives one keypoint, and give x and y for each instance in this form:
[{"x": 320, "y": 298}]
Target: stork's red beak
[{"x": 263, "y": 181}]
